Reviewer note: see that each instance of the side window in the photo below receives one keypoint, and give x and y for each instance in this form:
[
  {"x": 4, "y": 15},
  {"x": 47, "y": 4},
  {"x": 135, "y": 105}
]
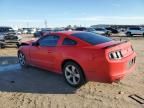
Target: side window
[
  {"x": 49, "y": 41},
  {"x": 68, "y": 41}
]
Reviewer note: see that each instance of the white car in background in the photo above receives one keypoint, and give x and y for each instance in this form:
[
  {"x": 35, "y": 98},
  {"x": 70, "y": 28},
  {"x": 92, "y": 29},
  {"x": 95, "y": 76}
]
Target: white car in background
[
  {"x": 131, "y": 31},
  {"x": 25, "y": 31},
  {"x": 8, "y": 36},
  {"x": 31, "y": 31},
  {"x": 102, "y": 31}
]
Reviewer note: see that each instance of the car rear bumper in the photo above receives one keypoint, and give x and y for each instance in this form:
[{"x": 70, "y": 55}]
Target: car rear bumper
[
  {"x": 108, "y": 71},
  {"x": 118, "y": 69},
  {"x": 11, "y": 41}
]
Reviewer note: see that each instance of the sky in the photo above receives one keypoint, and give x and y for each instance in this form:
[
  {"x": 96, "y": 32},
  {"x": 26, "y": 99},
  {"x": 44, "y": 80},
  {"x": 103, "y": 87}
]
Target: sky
[{"x": 58, "y": 13}]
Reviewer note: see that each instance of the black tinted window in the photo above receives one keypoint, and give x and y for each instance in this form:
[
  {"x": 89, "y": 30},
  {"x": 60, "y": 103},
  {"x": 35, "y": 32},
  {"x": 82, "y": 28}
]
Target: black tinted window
[
  {"x": 68, "y": 41},
  {"x": 81, "y": 29},
  {"x": 5, "y": 29},
  {"x": 49, "y": 41},
  {"x": 99, "y": 29},
  {"x": 92, "y": 38},
  {"x": 135, "y": 28},
  {"x": 90, "y": 29}
]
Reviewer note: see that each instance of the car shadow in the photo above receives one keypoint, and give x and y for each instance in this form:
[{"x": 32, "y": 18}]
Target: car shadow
[{"x": 14, "y": 78}]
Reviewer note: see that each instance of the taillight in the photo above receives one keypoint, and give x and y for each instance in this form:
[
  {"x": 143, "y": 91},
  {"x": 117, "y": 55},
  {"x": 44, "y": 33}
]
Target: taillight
[{"x": 115, "y": 55}]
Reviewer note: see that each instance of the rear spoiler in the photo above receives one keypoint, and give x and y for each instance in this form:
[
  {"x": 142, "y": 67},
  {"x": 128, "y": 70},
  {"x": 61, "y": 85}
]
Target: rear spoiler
[{"x": 115, "y": 44}]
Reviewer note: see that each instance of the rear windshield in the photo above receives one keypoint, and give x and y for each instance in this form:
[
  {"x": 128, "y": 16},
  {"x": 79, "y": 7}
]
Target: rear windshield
[
  {"x": 92, "y": 38},
  {"x": 81, "y": 29},
  {"x": 99, "y": 29}
]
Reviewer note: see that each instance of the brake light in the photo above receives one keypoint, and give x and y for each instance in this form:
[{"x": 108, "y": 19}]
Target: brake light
[{"x": 115, "y": 55}]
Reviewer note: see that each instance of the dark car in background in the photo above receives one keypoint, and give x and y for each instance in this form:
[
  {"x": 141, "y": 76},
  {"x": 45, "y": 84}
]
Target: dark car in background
[
  {"x": 87, "y": 29},
  {"x": 112, "y": 30},
  {"x": 100, "y": 31},
  {"x": 80, "y": 29},
  {"x": 41, "y": 32}
]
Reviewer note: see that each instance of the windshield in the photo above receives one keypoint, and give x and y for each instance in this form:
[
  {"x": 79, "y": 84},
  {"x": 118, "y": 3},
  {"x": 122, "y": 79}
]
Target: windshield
[
  {"x": 4, "y": 29},
  {"x": 100, "y": 29},
  {"x": 91, "y": 29},
  {"x": 92, "y": 38},
  {"x": 135, "y": 28}
]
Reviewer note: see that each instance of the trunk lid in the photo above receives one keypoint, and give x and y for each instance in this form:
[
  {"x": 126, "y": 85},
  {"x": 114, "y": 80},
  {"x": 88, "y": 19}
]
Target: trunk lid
[
  {"x": 124, "y": 47},
  {"x": 120, "y": 49}
]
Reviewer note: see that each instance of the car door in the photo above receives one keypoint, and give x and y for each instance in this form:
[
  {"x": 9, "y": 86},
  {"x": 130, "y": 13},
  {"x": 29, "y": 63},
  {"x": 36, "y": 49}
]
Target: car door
[
  {"x": 137, "y": 31},
  {"x": 43, "y": 55},
  {"x": 141, "y": 31}
]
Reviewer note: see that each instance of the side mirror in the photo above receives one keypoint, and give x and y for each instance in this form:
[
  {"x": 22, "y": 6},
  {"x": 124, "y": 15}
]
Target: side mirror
[{"x": 35, "y": 44}]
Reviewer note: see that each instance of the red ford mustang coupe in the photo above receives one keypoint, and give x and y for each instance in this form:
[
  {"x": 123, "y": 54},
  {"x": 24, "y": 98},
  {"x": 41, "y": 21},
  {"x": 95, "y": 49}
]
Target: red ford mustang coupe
[{"x": 79, "y": 56}]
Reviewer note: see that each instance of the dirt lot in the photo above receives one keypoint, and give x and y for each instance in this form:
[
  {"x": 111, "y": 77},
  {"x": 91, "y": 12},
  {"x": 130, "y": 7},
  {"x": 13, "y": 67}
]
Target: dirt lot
[{"x": 35, "y": 88}]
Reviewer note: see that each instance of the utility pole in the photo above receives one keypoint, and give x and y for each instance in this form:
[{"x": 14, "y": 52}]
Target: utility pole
[
  {"x": 27, "y": 24},
  {"x": 45, "y": 23}
]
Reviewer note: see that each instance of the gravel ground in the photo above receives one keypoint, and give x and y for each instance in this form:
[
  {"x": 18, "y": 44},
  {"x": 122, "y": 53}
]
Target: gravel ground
[{"x": 36, "y": 88}]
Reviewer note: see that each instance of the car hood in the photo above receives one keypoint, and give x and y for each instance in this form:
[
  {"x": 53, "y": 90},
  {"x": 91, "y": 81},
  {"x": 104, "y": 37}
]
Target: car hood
[
  {"x": 28, "y": 42},
  {"x": 25, "y": 43}
]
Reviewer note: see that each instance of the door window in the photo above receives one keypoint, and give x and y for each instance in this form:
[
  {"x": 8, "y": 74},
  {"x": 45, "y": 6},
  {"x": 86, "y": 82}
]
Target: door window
[
  {"x": 68, "y": 41},
  {"x": 49, "y": 41}
]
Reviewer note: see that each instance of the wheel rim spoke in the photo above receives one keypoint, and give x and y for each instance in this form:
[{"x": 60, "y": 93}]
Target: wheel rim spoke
[
  {"x": 73, "y": 69},
  {"x": 21, "y": 59},
  {"x": 23, "y": 56},
  {"x": 68, "y": 70},
  {"x": 68, "y": 75},
  {"x": 77, "y": 75},
  {"x": 74, "y": 80}
]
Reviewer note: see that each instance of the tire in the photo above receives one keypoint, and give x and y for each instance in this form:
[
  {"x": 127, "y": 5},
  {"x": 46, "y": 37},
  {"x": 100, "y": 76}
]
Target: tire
[
  {"x": 22, "y": 60},
  {"x": 18, "y": 45},
  {"x": 143, "y": 34},
  {"x": 129, "y": 34},
  {"x": 73, "y": 74},
  {"x": 2, "y": 46}
]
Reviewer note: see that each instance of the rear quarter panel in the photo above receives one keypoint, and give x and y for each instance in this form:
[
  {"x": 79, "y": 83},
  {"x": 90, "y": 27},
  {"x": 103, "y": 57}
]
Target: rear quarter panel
[{"x": 90, "y": 60}]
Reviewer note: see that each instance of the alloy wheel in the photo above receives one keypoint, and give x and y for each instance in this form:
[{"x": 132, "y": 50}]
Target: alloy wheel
[
  {"x": 21, "y": 58},
  {"x": 72, "y": 74}
]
